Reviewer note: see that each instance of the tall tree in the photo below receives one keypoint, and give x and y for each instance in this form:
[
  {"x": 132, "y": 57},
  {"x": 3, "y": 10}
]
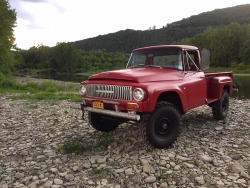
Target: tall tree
[
  {"x": 7, "y": 23},
  {"x": 245, "y": 50},
  {"x": 64, "y": 58}
]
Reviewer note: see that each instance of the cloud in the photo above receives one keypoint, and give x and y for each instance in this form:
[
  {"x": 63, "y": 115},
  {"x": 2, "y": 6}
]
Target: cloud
[
  {"x": 35, "y": 1},
  {"x": 52, "y": 21},
  {"x": 27, "y": 11},
  {"x": 50, "y": 2}
]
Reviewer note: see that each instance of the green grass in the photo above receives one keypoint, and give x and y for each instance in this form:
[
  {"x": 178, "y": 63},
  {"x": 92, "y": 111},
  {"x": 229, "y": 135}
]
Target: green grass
[
  {"x": 47, "y": 96},
  {"x": 78, "y": 145},
  {"x": 236, "y": 69},
  {"x": 47, "y": 90}
]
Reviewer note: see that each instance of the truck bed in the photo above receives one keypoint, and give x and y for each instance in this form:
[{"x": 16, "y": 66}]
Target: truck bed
[
  {"x": 216, "y": 74},
  {"x": 216, "y": 82}
]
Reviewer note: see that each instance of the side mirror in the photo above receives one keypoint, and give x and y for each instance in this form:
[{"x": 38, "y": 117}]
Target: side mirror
[{"x": 205, "y": 59}]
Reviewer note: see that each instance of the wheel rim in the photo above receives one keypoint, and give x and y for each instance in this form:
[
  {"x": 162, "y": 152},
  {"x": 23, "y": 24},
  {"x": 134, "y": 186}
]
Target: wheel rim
[{"x": 163, "y": 127}]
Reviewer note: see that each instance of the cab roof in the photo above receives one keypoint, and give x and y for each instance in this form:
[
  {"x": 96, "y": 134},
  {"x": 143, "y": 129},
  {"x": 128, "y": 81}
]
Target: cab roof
[{"x": 186, "y": 47}]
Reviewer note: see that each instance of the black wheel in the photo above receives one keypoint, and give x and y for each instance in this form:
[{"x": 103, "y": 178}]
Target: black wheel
[
  {"x": 100, "y": 123},
  {"x": 163, "y": 126},
  {"x": 220, "y": 108}
]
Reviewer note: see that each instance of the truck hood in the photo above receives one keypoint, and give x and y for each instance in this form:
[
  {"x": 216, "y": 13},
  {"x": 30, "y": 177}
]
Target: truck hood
[{"x": 139, "y": 75}]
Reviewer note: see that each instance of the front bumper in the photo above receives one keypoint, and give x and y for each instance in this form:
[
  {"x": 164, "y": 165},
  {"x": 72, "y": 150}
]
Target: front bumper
[
  {"x": 113, "y": 113},
  {"x": 124, "y": 115}
]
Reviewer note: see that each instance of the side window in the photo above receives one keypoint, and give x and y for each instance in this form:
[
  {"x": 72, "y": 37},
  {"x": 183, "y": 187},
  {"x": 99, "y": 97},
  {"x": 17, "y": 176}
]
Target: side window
[{"x": 189, "y": 62}]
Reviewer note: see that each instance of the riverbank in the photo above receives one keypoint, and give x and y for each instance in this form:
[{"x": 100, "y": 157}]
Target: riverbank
[{"x": 208, "y": 153}]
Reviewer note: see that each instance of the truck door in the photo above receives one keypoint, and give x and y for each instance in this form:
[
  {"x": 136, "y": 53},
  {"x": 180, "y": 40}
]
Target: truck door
[
  {"x": 195, "y": 87},
  {"x": 194, "y": 80}
]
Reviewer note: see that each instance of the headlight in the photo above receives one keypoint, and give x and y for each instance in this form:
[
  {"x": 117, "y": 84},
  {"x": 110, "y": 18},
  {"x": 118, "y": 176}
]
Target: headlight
[
  {"x": 82, "y": 89},
  {"x": 138, "y": 94}
]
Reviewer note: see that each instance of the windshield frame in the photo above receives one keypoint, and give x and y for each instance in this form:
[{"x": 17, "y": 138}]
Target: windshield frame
[{"x": 156, "y": 58}]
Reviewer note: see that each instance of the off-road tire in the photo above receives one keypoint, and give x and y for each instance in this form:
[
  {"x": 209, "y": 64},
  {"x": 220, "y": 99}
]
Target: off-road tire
[
  {"x": 162, "y": 127},
  {"x": 100, "y": 123},
  {"x": 220, "y": 107}
]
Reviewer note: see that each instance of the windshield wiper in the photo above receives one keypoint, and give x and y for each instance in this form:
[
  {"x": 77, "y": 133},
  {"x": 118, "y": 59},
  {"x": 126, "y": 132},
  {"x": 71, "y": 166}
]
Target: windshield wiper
[
  {"x": 155, "y": 66},
  {"x": 138, "y": 65}
]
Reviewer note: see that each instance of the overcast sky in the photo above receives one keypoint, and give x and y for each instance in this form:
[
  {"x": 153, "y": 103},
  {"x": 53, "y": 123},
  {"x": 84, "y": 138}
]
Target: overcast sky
[{"x": 50, "y": 21}]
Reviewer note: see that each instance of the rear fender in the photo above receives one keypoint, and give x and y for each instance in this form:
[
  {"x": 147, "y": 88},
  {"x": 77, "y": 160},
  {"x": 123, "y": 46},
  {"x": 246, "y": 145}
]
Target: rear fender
[{"x": 217, "y": 85}]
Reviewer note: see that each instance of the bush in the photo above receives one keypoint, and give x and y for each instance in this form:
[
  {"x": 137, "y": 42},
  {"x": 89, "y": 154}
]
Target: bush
[{"x": 6, "y": 82}]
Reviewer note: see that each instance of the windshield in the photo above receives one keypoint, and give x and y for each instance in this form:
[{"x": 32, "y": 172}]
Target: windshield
[{"x": 161, "y": 58}]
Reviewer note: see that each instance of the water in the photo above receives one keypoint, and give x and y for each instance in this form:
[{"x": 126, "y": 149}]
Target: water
[{"x": 242, "y": 82}]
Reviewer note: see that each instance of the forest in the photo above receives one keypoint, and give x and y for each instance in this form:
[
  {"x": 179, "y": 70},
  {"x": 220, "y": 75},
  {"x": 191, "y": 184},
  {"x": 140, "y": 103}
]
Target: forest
[
  {"x": 225, "y": 32},
  {"x": 129, "y": 39},
  {"x": 229, "y": 46}
]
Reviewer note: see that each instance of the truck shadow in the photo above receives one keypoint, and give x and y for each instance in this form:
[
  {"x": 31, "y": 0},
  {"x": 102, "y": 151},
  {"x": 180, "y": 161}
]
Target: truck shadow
[
  {"x": 195, "y": 126},
  {"x": 126, "y": 138}
]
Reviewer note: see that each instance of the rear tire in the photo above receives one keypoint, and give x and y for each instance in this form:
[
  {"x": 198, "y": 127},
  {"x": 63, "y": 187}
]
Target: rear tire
[
  {"x": 220, "y": 108},
  {"x": 100, "y": 123},
  {"x": 163, "y": 126}
]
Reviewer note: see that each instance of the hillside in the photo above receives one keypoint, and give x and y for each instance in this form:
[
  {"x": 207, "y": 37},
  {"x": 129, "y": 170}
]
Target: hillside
[{"x": 126, "y": 40}]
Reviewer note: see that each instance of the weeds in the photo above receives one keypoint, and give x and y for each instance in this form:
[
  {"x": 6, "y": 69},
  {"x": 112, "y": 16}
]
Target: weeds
[
  {"x": 105, "y": 141},
  {"x": 34, "y": 173},
  {"x": 75, "y": 145},
  {"x": 96, "y": 171},
  {"x": 198, "y": 163},
  {"x": 208, "y": 180},
  {"x": 78, "y": 145}
]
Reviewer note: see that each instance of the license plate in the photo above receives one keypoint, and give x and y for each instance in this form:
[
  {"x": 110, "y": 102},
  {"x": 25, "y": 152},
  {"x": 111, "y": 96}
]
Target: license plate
[{"x": 99, "y": 105}]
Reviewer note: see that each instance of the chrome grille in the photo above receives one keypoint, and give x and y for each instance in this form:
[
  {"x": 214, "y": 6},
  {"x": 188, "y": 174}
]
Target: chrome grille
[{"x": 109, "y": 92}]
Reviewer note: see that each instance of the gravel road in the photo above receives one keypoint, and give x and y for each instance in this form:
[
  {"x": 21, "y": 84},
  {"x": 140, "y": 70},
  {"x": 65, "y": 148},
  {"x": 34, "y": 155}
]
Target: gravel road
[{"x": 208, "y": 153}]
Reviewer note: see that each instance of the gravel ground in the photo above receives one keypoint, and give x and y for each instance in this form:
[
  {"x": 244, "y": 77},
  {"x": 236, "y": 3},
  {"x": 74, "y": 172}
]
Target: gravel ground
[{"x": 208, "y": 153}]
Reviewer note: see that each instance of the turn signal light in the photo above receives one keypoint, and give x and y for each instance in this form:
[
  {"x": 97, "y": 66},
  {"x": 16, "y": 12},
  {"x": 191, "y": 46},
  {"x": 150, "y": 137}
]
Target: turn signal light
[{"x": 132, "y": 107}]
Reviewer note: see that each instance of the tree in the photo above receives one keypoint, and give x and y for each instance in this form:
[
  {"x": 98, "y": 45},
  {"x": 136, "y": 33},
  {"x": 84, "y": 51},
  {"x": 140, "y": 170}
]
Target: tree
[
  {"x": 64, "y": 58},
  {"x": 245, "y": 50},
  {"x": 7, "y": 23},
  {"x": 228, "y": 44},
  {"x": 37, "y": 57}
]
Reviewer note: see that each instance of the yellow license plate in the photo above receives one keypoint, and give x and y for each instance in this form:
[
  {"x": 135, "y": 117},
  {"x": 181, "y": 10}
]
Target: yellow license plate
[{"x": 99, "y": 105}]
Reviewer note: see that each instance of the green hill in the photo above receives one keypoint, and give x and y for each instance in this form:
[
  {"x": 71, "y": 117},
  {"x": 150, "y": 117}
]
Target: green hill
[{"x": 126, "y": 40}]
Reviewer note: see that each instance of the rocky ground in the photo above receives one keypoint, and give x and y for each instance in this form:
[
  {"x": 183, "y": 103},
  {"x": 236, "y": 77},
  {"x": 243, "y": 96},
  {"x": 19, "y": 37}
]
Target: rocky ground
[{"x": 208, "y": 153}]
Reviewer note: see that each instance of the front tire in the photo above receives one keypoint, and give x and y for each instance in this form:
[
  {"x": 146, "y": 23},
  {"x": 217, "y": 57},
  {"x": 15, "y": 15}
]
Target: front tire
[
  {"x": 163, "y": 126},
  {"x": 220, "y": 108},
  {"x": 100, "y": 123}
]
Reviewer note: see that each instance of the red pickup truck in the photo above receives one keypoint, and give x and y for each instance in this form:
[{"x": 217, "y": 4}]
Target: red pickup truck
[{"x": 158, "y": 85}]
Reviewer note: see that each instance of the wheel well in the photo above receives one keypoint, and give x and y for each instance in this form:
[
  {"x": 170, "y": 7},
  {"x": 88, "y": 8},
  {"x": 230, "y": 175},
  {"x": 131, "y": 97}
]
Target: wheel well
[
  {"x": 227, "y": 88},
  {"x": 173, "y": 98}
]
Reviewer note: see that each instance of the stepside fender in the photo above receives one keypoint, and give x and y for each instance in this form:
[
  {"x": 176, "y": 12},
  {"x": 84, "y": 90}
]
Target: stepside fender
[{"x": 218, "y": 84}]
